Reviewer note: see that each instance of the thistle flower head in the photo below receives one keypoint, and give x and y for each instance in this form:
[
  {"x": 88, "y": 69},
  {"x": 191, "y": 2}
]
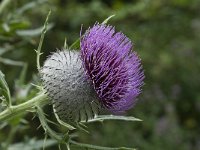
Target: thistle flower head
[
  {"x": 114, "y": 71},
  {"x": 105, "y": 73}
]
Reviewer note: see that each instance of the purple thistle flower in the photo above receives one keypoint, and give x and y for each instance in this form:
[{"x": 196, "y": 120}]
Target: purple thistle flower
[
  {"x": 105, "y": 73},
  {"x": 114, "y": 71}
]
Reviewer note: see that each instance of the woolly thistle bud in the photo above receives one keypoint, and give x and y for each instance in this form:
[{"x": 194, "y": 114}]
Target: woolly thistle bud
[{"x": 67, "y": 86}]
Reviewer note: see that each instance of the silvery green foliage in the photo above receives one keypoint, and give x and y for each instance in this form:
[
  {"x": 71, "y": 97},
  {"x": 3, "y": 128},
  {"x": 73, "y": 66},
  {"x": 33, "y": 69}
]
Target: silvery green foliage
[{"x": 64, "y": 80}]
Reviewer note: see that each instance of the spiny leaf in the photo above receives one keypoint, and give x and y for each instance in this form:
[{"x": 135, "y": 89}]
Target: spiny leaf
[
  {"x": 112, "y": 117},
  {"x": 107, "y": 19},
  {"x": 90, "y": 146},
  {"x": 4, "y": 89},
  {"x": 43, "y": 120},
  {"x": 70, "y": 127},
  {"x": 82, "y": 127}
]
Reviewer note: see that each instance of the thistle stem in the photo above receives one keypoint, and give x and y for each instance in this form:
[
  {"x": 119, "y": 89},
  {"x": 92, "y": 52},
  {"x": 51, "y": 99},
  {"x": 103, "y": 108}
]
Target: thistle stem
[
  {"x": 38, "y": 51},
  {"x": 23, "y": 107}
]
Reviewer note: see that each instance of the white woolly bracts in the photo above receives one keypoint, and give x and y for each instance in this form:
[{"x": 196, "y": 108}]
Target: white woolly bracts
[{"x": 67, "y": 86}]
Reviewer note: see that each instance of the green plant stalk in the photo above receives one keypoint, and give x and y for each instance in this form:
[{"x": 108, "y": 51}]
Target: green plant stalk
[
  {"x": 88, "y": 146},
  {"x": 38, "y": 51},
  {"x": 12, "y": 111}
]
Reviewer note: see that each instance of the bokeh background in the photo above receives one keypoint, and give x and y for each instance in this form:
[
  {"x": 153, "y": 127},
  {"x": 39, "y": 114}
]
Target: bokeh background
[{"x": 166, "y": 35}]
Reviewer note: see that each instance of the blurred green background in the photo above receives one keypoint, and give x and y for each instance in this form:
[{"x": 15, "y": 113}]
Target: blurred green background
[{"x": 166, "y": 35}]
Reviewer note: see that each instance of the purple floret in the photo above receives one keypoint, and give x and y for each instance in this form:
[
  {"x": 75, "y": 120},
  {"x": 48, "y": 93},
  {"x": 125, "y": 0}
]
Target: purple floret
[{"x": 115, "y": 72}]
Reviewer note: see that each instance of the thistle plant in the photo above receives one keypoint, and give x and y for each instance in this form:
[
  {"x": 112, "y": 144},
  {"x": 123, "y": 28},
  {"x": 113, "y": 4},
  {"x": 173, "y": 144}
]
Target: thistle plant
[{"x": 98, "y": 74}]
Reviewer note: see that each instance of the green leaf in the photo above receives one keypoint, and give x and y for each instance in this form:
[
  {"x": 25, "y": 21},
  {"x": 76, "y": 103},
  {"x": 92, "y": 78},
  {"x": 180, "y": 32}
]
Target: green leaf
[
  {"x": 75, "y": 45},
  {"x": 33, "y": 32},
  {"x": 101, "y": 118},
  {"x": 53, "y": 134},
  {"x": 4, "y": 50},
  {"x": 89, "y": 146},
  {"x": 82, "y": 127},
  {"x": 32, "y": 144},
  {"x": 7, "y": 61},
  {"x": 3, "y": 5},
  {"x": 4, "y": 90},
  {"x": 11, "y": 27},
  {"x": 107, "y": 19},
  {"x": 70, "y": 127},
  {"x": 30, "y": 5}
]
